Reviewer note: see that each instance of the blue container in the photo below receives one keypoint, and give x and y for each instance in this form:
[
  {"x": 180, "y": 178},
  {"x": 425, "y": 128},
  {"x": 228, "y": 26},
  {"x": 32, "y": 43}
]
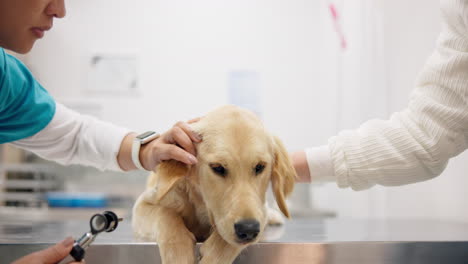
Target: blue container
[{"x": 76, "y": 200}]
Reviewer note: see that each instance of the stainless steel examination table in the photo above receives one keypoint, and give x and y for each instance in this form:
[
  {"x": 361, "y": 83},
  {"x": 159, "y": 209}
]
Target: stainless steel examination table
[{"x": 298, "y": 241}]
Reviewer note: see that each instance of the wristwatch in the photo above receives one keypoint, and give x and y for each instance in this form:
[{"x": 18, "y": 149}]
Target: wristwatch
[{"x": 137, "y": 142}]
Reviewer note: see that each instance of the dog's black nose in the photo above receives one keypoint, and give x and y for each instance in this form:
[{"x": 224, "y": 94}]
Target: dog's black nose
[{"x": 247, "y": 230}]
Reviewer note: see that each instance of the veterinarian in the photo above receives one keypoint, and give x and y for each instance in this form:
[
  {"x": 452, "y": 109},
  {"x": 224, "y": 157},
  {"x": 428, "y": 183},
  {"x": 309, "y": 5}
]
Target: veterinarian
[
  {"x": 32, "y": 120},
  {"x": 416, "y": 143}
]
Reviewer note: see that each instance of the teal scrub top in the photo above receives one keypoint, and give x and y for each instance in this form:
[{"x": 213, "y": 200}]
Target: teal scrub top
[{"x": 25, "y": 106}]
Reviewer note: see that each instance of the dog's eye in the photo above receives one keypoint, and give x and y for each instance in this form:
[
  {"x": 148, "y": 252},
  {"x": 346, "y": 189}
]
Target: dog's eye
[
  {"x": 259, "y": 168},
  {"x": 218, "y": 169}
]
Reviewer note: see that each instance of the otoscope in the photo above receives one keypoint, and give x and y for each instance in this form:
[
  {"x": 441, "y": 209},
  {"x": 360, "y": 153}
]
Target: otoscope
[{"x": 106, "y": 221}]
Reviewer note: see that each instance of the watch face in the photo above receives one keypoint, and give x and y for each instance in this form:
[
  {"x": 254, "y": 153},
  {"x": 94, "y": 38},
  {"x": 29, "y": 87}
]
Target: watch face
[{"x": 145, "y": 135}]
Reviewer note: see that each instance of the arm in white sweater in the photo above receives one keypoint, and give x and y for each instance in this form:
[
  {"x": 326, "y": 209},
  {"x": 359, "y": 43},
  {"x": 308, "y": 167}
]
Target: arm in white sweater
[
  {"x": 72, "y": 138},
  {"x": 416, "y": 143}
]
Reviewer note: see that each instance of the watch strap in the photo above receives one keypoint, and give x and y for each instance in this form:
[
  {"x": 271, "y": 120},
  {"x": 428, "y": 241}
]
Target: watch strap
[
  {"x": 138, "y": 141},
  {"x": 136, "y": 154}
]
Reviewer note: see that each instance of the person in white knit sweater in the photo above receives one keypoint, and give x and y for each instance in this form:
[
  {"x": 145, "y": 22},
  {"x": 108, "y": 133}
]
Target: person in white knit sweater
[{"x": 416, "y": 143}]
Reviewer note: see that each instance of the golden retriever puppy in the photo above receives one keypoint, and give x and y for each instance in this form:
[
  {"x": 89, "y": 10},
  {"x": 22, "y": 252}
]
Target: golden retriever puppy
[{"x": 221, "y": 199}]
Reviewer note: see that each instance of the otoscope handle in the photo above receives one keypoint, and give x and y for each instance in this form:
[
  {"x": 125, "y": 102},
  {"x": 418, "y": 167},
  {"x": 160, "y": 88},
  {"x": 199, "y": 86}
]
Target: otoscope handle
[{"x": 77, "y": 252}]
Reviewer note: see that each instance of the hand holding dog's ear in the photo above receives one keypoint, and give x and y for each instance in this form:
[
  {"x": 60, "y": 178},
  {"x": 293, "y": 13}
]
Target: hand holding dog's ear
[
  {"x": 175, "y": 144},
  {"x": 299, "y": 161}
]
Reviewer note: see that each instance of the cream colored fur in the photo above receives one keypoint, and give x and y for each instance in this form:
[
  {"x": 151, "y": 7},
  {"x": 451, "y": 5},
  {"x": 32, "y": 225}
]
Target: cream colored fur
[{"x": 185, "y": 204}]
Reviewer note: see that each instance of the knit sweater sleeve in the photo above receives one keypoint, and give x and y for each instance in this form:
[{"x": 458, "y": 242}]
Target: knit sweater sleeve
[{"x": 415, "y": 144}]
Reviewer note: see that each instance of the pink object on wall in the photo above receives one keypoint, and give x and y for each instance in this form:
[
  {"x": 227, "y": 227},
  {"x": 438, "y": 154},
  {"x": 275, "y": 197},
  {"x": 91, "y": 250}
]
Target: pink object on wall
[{"x": 336, "y": 23}]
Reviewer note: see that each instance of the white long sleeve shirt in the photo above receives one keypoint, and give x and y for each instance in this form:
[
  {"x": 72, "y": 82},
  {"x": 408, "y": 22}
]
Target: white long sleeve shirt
[
  {"x": 72, "y": 138},
  {"x": 414, "y": 144}
]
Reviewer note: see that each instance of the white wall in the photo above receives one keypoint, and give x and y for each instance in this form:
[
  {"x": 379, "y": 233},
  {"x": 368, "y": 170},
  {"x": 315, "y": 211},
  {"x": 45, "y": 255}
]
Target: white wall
[
  {"x": 186, "y": 50},
  {"x": 310, "y": 89}
]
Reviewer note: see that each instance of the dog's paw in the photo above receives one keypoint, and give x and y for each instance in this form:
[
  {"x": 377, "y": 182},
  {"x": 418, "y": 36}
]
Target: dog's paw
[{"x": 274, "y": 217}]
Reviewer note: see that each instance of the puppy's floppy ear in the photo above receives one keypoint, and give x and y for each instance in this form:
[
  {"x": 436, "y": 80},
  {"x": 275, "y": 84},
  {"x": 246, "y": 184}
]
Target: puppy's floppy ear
[
  {"x": 168, "y": 174},
  {"x": 283, "y": 175}
]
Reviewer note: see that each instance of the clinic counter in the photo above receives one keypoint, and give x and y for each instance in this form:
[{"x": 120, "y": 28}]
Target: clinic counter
[{"x": 298, "y": 241}]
